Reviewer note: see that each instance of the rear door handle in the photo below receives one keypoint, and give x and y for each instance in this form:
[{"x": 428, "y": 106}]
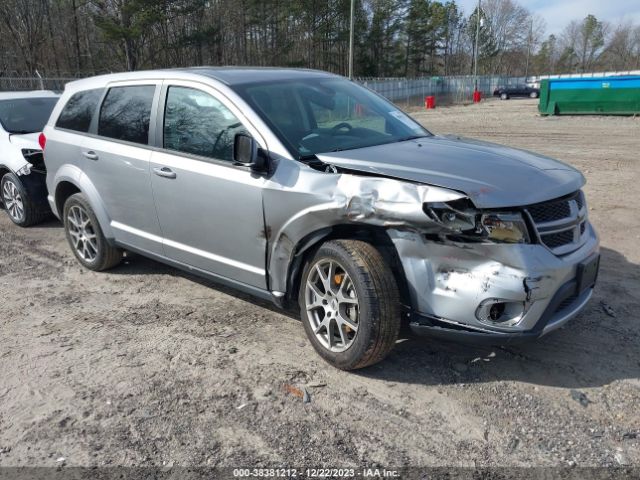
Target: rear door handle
[
  {"x": 91, "y": 155},
  {"x": 164, "y": 172}
]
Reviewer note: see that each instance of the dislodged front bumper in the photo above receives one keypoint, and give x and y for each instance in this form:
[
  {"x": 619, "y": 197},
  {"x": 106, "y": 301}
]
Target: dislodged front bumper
[
  {"x": 449, "y": 283},
  {"x": 36, "y": 186}
]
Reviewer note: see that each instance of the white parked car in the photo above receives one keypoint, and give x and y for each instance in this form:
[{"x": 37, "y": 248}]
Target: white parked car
[{"x": 23, "y": 191}]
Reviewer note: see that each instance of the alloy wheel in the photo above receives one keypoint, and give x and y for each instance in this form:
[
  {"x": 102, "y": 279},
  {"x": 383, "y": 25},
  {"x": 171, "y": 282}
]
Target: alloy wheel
[
  {"x": 82, "y": 232},
  {"x": 332, "y": 305},
  {"x": 13, "y": 201}
]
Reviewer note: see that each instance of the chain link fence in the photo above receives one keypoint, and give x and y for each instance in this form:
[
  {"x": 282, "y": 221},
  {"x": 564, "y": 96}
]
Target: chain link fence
[
  {"x": 447, "y": 90},
  {"x": 19, "y": 81},
  {"x": 407, "y": 92}
]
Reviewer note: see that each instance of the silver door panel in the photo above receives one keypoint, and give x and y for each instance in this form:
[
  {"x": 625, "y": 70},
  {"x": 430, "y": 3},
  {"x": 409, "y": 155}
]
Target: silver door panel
[
  {"x": 211, "y": 216},
  {"x": 121, "y": 175}
]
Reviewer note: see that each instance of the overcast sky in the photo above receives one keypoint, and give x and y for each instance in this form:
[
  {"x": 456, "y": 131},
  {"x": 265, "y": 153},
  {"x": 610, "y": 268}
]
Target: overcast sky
[{"x": 557, "y": 13}]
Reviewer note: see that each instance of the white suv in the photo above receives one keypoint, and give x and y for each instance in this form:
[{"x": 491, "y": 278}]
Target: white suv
[{"x": 22, "y": 170}]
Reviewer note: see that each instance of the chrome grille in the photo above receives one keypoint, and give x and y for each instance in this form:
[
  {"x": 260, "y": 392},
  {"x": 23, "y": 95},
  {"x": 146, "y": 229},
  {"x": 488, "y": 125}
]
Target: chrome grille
[{"x": 561, "y": 224}]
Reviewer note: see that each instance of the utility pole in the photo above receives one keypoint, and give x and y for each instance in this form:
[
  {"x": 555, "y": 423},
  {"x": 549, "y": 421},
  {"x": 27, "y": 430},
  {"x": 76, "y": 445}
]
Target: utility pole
[
  {"x": 475, "y": 57},
  {"x": 353, "y": 9},
  {"x": 526, "y": 68}
]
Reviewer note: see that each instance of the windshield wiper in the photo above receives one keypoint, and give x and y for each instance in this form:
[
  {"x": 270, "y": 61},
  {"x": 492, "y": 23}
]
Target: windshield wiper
[
  {"x": 355, "y": 147},
  {"x": 411, "y": 137},
  {"x": 306, "y": 158}
]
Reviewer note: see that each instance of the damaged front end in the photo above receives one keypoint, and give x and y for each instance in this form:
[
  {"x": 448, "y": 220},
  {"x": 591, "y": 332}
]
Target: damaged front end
[
  {"x": 311, "y": 209},
  {"x": 479, "y": 274},
  {"x": 28, "y": 165},
  {"x": 33, "y": 175},
  {"x": 34, "y": 162}
]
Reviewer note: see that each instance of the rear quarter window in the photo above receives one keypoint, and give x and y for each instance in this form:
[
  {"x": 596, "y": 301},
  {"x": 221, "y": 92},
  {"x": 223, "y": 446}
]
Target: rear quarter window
[{"x": 78, "y": 111}]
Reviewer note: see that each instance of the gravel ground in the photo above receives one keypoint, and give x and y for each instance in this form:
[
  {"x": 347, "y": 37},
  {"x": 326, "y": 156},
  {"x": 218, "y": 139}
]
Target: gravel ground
[{"x": 146, "y": 365}]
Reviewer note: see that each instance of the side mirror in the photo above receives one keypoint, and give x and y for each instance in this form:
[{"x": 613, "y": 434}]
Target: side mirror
[{"x": 246, "y": 152}]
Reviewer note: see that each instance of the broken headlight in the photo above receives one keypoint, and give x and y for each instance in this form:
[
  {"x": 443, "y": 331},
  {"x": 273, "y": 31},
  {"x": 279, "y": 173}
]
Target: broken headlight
[
  {"x": 24, "y": 170},
  {"x": 505, "y": 227},
  {"x": 462, "y": 222},
  {"x": 28, "y": 154},
  {"x": 35, "y": 159}
]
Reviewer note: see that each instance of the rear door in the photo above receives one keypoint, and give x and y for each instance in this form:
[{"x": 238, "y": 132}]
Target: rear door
[
  {"x": 210, "y": 209},
  {"x": 65, "y": 143},
  {"x": 117, "y": 157}
]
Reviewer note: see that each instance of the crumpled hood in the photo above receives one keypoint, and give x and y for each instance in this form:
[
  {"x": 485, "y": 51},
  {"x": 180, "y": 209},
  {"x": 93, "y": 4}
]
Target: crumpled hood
[
  {"x": 493, "y": 176},
  {"x": 28, "y": 140}
]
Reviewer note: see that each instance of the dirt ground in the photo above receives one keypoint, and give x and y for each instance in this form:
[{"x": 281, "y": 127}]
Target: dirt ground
[{"x": 146, "y": 365}]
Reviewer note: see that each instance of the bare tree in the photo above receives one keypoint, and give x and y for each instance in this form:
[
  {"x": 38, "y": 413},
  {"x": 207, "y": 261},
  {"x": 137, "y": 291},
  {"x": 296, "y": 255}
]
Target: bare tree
[
  {"x": 392, "y": 37},
  {"x": 24, "y": 19},
  {"x": 623, "y": 47}
]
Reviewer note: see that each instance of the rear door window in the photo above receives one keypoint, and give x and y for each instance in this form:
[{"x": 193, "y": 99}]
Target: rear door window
[
  {"x": 78, "y": 112},
  {"x": 125, "y": 113}
]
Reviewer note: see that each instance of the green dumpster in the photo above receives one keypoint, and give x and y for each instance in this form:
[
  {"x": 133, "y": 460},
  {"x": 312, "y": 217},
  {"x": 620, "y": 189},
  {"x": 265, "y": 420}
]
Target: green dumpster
[{"x": 591, "y": 96}]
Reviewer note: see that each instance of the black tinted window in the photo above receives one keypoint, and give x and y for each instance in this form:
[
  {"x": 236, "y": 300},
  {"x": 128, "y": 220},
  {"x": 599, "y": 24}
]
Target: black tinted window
[
  {"x": 125, "y": 113},
  {"x": 25, "y": 115},
  {"x": 77, "y": 113},
  {"x": 197, "y": 123}
]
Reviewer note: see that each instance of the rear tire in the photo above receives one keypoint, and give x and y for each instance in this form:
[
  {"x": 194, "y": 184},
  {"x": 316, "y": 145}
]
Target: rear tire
[
  {"x": 85, "y": 236},
  {"x": 504, "y": 96},
  {"x": 19, "y": 206},
  {"x": 362, "y": 291},
  {"x": 533, "y": 95}
]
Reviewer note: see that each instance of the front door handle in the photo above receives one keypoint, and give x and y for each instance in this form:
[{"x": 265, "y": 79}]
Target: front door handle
[
  {"x": 164, "y": 172},
  {"x": 91, "y": 155}
]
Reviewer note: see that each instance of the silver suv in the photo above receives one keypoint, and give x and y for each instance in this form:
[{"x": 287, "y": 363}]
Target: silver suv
[{"x": 303, "y": 187}]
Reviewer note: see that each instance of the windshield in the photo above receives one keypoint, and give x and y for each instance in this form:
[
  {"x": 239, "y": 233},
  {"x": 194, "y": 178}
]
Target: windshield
[
  {"x": 26, "y": 115},
  {"x": 319, "y": 115}
]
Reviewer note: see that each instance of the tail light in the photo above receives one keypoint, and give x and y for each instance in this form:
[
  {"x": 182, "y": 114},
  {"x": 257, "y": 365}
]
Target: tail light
[{"x": 42, "y": 140}]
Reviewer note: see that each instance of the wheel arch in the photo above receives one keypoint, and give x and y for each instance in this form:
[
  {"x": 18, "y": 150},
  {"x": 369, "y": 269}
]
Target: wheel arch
[
  {"x": 64, "y": 190},
  {"x": 70, "y": 183},
  {"x": 306, "y": 248},
  {"x": 4, "y": 170}
]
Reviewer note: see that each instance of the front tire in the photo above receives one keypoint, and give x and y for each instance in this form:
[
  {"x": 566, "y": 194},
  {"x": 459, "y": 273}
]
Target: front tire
[
  {"x": 504, "y": 96},
  {"x": 19, "y": 206},
  {"x": 350, "y": 304},
  {"x": 85, "y": 236},
  {"x": 533, "y": 95}
]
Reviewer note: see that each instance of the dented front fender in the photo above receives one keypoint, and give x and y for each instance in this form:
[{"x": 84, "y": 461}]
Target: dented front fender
[{"x": 325, "y": 199}]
